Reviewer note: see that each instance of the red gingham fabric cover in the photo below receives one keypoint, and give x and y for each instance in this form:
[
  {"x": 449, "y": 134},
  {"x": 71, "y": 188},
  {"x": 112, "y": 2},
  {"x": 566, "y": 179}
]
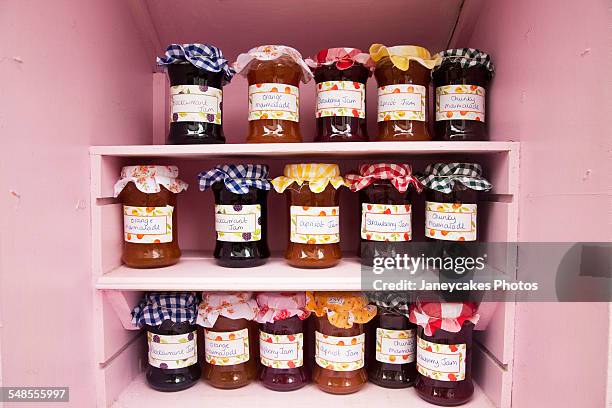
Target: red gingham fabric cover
[
  {"x": 449, "y": 317},
  {"x": 344, "y": 58},
  {"x": 400, "y": 176}
]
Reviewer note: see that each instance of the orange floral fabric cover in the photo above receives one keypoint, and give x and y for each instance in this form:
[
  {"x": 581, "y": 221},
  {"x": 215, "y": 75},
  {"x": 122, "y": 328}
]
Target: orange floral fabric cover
[
  {"x": 233, "y": 305},
  {"x": 342, "y": 308},
  {"x": 148, "y": 179}
]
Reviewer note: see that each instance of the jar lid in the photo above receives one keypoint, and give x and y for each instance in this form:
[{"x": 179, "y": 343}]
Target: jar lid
[
  {"x": 318, "y": 176},
  {"x": 467, "y": 57},
  {"x": 202, "y": 56},
  {"x": 443, "y": 176},
  {"x": 155, "y": 307},
  {"x": 233, "y": 305},
  {"x": 394, "y": 302},
  {"x": 275, "y": 306},
  {"x": 401, "y": 55},
  {"x": 344, "y": 58},
  {"x": 449, "y": 317},
  {"x": 238, "y": 178},
  {"x": 399, "y": 175},
  {"x": 342, "y": 308},
  {"x": 268, "y": 53},
  {"x": 149, "y": 178}
]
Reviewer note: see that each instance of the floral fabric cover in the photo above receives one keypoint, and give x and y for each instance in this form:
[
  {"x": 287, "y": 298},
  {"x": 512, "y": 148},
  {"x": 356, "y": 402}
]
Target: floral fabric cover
[
  {"x": 317, "y": 175},
  {"x": 275, "y": 306},
  {"x": 268, "y": 53},
  {"x": 155, "y": 307},
  {"x": 341, "y": 308},
  {"x": 400, "y": 176},
  {"x": 401, "y": 55},
  {"x": 343, "y": 58},
  {"x": 149, "y": 178},
  {"x": 449, "y": 317},
  {"x": 233, "y": 305}
]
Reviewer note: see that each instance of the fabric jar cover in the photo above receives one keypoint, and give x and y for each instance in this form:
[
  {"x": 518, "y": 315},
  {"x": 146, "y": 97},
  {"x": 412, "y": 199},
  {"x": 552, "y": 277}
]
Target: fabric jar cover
[
  {"x": 233, "y": 305},
  {"x": 443, "y": 176},
  {"x": 268, "y": 53},
  {"x": 238, "y": 178},
  {"x": 343, "y": 58},
  {"x": 399, "y": 175},
  {"x": 148, "y": 179},
  {"x": 203, "y": 56},
  {"x": 449, "y": 317},
  {"x": 393, "y": 302},
  {"x": 155, "y": 307},
  {"x": 318, "y": 176},
  {"x": 341, "y": 308},
  {"x": 466, "y": 57},
  {"x": 275, "y": 306},
  {"x": 401, "y": 55}
]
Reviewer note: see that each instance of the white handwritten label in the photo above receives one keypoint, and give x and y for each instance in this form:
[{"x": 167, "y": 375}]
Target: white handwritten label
[
  {"x": 147, "y": 225},
  {"x": 315, "y": 225},
  {"x": 196, "y": 103},
  {"x": 385, "y": 222},
  {"x": 238, "y": 223},
  {"x": 460, "y": 102},
  {"x": 281, "y": 351},
  {"x": 340, "y": 98},
  {"x": 450, "y": 221},
  {"x": 171, "y": 352},
  {"x": 442, "y": 362},
  {"x": 339, "y": 353},
  {"x": 395, "y": 346},
  {"x": 273, "y": 101},
  {"x": 226, "y": 348},
  {"x": 401, "y": 102}
]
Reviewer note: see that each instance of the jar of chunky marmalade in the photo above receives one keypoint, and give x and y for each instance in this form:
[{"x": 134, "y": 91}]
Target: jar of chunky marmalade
[
  {"x": 197, "y": 74},
  {"x": 444, "y": 351},
  {"x": 314, "y": 213},
  {"x": 274, "y": 73},
  {"x": 462, "y": 79},
  {"x": 241, "y": 192},
  {"x": 148, "y": 194},
  {"x": 341, "y": 75},
  {"x": 340, "y": 340},
  {"x": 230, "y": 338},
  {"x": 169, "y": 319}
]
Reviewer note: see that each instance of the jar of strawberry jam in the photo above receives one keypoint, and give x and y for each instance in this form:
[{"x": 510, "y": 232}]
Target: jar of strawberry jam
[
  {"x": 274, "y": 73},
  {"x": 230, "y": 338},
  {"x": 314, "y": 213},
  {"x": 340, "y": 340},
  {"x": 169, "y": 320},
  {"x": 197, "y": 74},
  {"x": 341, "y": 75},
  {"x": 403, "y": 75},
  {"x": 282, "y": 335},
  {"x": 148, "y": 194},
  {"x": 444, "y": 351}
]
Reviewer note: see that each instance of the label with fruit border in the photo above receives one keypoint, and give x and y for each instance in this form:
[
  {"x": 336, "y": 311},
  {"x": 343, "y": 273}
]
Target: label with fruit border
[
  {"x": 281, "y": 351},
  {"x": 177, "y": 351},
  {"x": 238, "y": 223},
  {"x": 226, "y": 348},
  {"x": 384, "y": 222},
  {"x": 274, "y": 101},
  {"x": 339, "y": 353},
  {"x": 401, "y": 102},
  {"x": 460, "y": 102},
  {"x": 147, "y": 225},
  {"x": 441, "y": 362},
  {"x": 315, "y": 225},
  {"x": 340, "y": 98},
  {"x": 450, "y": 221},
  {"x": 196, "y": 103},
  {"x": 395, "y": 346}
]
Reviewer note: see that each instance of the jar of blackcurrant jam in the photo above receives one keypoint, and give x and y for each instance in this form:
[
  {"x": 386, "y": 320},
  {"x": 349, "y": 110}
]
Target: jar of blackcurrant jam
[
  {"x": 391, "y": 341},
  {"x": 241, "y": 192},
  {"x": 230, "y": 338},
  {"x": 282, "y": 335},
  {"x": 340, "y": 340},
  {"x": 386, "y": 209},
  {"x": 444, "y": 351},
  {"x": 169, "y": 320},
  {"x": 274, "y": 73},
  {"x": 150, "y": 234},
  {"x": 314, "y": 213},
  {"x": 403, "y": 75},
  {"x": 197, "y": 74},
  {"x": 462, "y": 79},
  {"x": 341, "y": 75}
]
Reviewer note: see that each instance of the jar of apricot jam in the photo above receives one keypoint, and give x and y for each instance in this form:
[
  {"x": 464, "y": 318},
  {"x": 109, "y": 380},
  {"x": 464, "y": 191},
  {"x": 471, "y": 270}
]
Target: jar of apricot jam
[
  {"x": 197, "y": 74},
  {"x": 314, "y": 213},
  {"x": 274, "y": 73},
  {"x": 148, "y": 194}
]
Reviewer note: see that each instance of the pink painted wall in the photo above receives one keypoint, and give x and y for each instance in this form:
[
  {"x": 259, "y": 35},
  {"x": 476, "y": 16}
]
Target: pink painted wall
[{"x": 73, "y": 74}]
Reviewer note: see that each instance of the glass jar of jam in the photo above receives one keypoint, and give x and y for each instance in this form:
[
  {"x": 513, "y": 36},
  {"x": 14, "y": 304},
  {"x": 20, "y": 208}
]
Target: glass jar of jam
[
  {"x": 341, "y": 75},
  {"x": 197, "y": 74},
  {"x": 169, "y": 319},
  {"x": 230, "y": 338},
  {"x": 282, "y": 334},
  {"x": 386, "y": 209},
  {"x": 462, "y": 79},
  {"x": 340, "y": 339},
  {"x": 274, "y": 73},
  {"x": 241, "y": 192},
  {"x": 314, "y": 213},
  {"x": 148, "y": 194},
  {"x": 391, "y": 342},
  {"x": 444, "y": 351},
  {"x": 403, "y": 76}
]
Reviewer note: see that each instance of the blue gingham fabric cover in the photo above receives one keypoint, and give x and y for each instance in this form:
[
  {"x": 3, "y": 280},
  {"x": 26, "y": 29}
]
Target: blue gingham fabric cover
[
  {"x": 237, "y": 177},
  {"x": 156, "y": 307},
  {"x": 443, "y": 176},
  {"x": 203, "y": 56}
]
